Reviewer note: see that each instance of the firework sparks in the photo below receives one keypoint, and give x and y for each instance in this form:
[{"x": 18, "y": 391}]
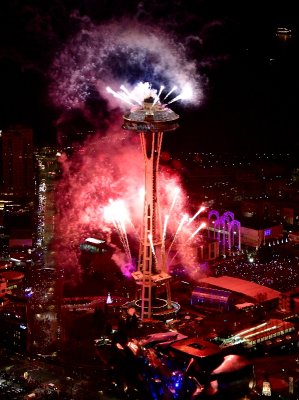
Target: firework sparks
[
  {"x": 120, "y": 96},
  {"x": 150, "y": 238},
  {"x": 83, "y": 67},
  {"x": 158, "y": 95},
  {"x": 181, "y": 224},
  {"x": 201, "y": 226},
  {"x": 165, "y": 229},
  {"x": 130, "y": 94},
  {"x": 110, "y": 167},
  {"x": 169, "y": 93},
  {"x": 201, "y": 209},
  {"x": 143, "y": 90},
  {"x": 186, "y": 94},
  {"x": 117, "y": 213},
  {"x": 177, "y": 191}
]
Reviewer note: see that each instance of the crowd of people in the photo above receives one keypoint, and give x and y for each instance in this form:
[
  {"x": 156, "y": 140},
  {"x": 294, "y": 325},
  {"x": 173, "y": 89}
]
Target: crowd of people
[{"x": 279, "y": 272}]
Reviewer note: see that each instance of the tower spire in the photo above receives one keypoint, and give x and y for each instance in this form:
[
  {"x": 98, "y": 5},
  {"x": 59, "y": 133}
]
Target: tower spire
[{"x": 151, "y": 120}]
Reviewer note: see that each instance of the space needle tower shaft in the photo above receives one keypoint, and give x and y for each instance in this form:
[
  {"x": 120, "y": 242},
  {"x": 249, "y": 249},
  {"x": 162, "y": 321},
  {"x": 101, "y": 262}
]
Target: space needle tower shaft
[{"x": 150, "y": 120}]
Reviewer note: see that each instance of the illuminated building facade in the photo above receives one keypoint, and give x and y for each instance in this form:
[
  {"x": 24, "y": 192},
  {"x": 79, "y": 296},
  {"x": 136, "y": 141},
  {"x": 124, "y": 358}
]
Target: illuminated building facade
[
  {"x": 257, "y": 236},
  {"x": 17, "y": 167},
  {"x": 254, "y": 335},
  {"x": 43, "y": 305},
  {"x": 226, "y": 230},
  {"x": 14, "y": 330},
  {"x": 233, "y": 234},
  {"x": 211, "y": 298}
]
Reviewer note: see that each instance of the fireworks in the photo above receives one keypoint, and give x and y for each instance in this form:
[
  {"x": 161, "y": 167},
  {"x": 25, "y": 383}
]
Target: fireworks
[
  {"x": 144, "y": 89},
  {"x": 201, "y": 209},
  {"x": 101, "y": 183},
  {"x": 102, "y": 191},
  {"x": 143, "y": 52},
  {"x": 117, "y": 213},
  {"x": 201, "y": 226},
  {"x": 138, "y": 94},
  {"x": 185, "y": 94}
]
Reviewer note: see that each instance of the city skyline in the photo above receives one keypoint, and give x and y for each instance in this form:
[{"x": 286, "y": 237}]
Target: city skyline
[{"x": 179, "y": 261}]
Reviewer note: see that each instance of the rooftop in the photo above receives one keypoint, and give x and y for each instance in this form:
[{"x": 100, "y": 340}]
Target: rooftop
[{"x": 237, "y": 285}]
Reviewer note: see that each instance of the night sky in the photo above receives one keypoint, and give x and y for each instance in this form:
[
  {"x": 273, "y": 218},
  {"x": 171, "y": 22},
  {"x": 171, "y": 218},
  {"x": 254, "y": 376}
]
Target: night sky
[{"x": 247, "y": 78}]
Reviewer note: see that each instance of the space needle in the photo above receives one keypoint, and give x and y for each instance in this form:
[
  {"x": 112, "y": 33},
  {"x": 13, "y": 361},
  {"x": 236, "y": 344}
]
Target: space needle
[{"x": 151, "y": 119}]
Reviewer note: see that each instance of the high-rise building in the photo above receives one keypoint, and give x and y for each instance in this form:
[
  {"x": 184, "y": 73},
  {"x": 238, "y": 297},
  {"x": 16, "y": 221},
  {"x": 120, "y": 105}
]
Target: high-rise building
[
  {"x": 43, "y": 312},
  {"x": 17, "y": 166}
]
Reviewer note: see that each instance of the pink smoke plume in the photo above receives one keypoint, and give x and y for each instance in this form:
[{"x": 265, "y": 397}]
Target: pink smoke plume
[{"x": 107, "y": 169}]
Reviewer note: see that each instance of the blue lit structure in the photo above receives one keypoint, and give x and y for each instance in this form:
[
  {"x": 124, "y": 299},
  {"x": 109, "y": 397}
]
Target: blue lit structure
[
  {"x": 188, "y": 369},
  {"x": 212, "y": 298},
  {"x": 226, "y": 230}
]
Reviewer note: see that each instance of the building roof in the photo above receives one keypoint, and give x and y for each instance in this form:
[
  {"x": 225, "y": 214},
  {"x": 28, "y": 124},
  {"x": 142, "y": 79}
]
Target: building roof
[
  {"x": 161, "y": 338},
  {"x": 261, "y": 332},
  {"x": 237, "y": 285},
  {"x": 241, "y": 306},
  {"x": 211, "y": 293},
  {"x": 196, "y": 347},
  {"x": 257, "y": 225},
  {"x": 232, "y": 362},
  {"x": 12, "y": 275}
]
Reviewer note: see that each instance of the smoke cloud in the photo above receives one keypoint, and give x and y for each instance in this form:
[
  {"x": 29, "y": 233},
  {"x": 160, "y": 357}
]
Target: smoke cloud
[
  {"x": 122, "y": 52},
  {"x": 109, "y": 166}
]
